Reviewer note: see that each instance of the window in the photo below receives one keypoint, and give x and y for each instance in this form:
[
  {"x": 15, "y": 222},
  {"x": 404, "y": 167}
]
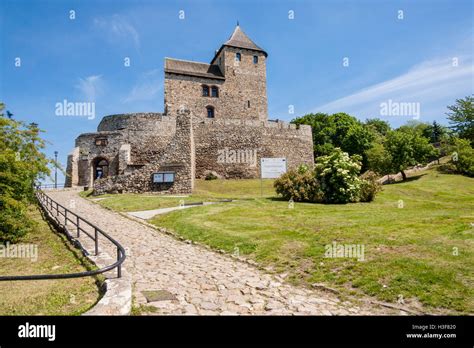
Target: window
[
  {"x": 205, "y": 91},
  {"x": 238, "y": 57},
  {"x": 255, "y": 59},
  {"x": 163, "y": 177},
  {"x": 101, "y": 141},
  {"x": 215, "y": 92},
  {"x": 248, "y": 103},
  {"x": 210, "y": 111}
]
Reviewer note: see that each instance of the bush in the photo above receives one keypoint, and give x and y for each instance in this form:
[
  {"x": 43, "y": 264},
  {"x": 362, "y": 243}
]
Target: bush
[
  {"x": 369, "y": 186},
  {"x": 337, "y": 174},
  {"x": 210, "y": 176},
  {"x": 300, "y": 185},
  {"x": 333, "y": 180},
  {"x": 463, "y": 157}
]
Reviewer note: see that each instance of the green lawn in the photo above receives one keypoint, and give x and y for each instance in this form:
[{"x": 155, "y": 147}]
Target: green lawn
[
  {"x": 409, "y": 251},
  {"x": 205, "y": 191},
  {"x": 47, "y": 297}
]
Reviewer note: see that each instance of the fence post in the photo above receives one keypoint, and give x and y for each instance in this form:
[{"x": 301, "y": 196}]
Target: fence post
[
  {"x": 77, "y": 225},
  {"x": 65, "y": 217},
  {"x": 119, "y": 267},
  {"x": 96, "y": 240}
]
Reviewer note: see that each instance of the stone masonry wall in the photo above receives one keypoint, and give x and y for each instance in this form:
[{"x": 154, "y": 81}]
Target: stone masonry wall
[
  {"x": 144, "y": 135},
  {"x": 242, "y": 95},
  {"x": 233, "y": 148},
  {"x": 177, "y": 156}
]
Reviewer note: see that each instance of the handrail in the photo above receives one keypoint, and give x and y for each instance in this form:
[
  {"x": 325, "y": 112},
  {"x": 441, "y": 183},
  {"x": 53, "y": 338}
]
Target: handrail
[{"x": 45, "y": 201}]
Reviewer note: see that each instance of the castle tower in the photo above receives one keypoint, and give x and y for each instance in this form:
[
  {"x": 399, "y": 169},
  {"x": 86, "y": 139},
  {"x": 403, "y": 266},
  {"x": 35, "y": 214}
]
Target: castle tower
[
  {"x": 243, "y": 65},
  {"x": 232, "y": 86}
]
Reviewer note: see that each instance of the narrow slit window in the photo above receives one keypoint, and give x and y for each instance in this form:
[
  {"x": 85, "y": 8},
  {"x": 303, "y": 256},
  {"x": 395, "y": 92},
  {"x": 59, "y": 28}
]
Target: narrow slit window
[{"x": 210, "y": 111}]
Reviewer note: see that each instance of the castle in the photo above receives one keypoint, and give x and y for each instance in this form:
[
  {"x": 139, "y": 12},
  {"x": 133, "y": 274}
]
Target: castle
[{"x": 215, "y": 121}]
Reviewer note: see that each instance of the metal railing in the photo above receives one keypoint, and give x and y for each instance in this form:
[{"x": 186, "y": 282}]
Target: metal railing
[{"x": 61, "y": 218}]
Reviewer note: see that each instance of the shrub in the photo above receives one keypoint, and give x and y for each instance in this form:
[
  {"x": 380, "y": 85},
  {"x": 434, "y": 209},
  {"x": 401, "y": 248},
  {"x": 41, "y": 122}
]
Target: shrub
[
  {"x": 369, "y": 186},
  {"x": 463, "y": 157},
  {"x": 210, "y": 176},
  {"x": 300, "y": 185},
  {"x": 337, "y": 174}
]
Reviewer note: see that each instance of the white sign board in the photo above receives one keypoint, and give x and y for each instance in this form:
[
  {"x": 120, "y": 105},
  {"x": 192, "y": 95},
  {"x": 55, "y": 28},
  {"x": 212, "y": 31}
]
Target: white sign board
[{"x": 272, "y": 168}]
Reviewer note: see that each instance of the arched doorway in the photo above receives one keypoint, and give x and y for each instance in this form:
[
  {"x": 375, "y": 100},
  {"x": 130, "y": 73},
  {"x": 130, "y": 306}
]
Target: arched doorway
[{"x": 100, "y": 168}]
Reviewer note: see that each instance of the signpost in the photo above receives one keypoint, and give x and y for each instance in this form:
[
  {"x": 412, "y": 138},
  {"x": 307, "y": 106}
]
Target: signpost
[{"x": 271, "y": 168}]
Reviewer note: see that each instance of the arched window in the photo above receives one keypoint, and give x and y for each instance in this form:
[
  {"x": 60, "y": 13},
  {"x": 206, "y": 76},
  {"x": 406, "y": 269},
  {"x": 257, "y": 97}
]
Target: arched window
[
  {"x": 205, "y": 91},
  {"x": 238, "y": 57},
  {"x": 214, "y": 92},
  {"x": 255, "y": 59},
  {"x": 210, "y": 111}
]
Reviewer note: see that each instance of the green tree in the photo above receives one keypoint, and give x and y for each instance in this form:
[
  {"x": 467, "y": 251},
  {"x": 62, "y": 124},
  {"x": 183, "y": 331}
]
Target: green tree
[
  {"x": 407, "y": 149},
  {"x": 21, "y": 164},
  {"x": 379, "y": 159},
  {"x": 338, "y": 130},
  {"x": 378, "y": 126},
  {"x": 461, "y": 117}
]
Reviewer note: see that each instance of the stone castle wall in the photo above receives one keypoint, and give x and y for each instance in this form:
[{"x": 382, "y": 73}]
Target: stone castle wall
[
  {"x": 146, "y": 136},
  {"x": 233, "y": 148},
  {"x": 177, "y": 156}
]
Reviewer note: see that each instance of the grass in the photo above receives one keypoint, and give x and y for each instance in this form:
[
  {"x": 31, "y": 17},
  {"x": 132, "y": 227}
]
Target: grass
[
  {"x": 206, "y": 191},
  {"x": 423, "y": 251},
  {"x": 47, "y": 297}
]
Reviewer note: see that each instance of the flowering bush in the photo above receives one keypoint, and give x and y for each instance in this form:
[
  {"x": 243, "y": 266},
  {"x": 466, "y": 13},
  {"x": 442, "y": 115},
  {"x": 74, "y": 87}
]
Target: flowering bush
[{"x": 337, "y": 174}]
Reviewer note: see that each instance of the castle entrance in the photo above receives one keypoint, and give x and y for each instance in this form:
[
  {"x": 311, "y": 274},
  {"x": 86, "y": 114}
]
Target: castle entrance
[{"x": 100, "y": 168}]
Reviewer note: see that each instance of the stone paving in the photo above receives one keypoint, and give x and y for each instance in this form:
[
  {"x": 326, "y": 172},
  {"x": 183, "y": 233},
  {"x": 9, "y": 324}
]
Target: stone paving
[{"x": 202, "y": 281}]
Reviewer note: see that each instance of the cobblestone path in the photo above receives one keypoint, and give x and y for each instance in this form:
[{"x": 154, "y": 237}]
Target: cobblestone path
[{"x": 203, "y": 281}]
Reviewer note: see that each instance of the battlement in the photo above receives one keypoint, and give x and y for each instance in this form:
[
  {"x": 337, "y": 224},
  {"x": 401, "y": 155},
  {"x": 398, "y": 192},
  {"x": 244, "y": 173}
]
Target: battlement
[
  {"x": 135, "y": 121},
  {"x": 303, "y": 130}
]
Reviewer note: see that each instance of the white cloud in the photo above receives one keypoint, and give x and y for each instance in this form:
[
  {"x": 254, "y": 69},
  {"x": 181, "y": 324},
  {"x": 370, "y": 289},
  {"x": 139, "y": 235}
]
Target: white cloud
[
  {"x": 90, "y": 87},
  {"x": 117, "y": 28},
  {"x": 147, "y": 87},
  {"x": 432, "y": 83}
]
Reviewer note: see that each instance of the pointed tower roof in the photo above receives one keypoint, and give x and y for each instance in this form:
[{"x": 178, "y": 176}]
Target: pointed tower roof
[{"x": 240, "y": 40}]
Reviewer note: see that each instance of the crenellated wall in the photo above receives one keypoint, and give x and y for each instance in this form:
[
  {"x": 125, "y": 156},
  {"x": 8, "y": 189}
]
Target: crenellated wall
[{"x": 232, "y": 148}]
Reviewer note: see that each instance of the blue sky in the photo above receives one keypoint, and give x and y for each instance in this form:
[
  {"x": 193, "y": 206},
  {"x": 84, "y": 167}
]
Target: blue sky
[{"x": 82, "y": 59}]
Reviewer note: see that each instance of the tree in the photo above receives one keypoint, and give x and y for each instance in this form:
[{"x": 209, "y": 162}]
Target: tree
[
  {"x": 378, "y": 126},
  {"x": 461, "y": 117},
  {"x": 407, "y": 149},
  {"x": 337, "y": 130},
  {"x": 379, "y": 159},
  {"x": 21, "y": 164},
  {"x": 435, "y": 132}
]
